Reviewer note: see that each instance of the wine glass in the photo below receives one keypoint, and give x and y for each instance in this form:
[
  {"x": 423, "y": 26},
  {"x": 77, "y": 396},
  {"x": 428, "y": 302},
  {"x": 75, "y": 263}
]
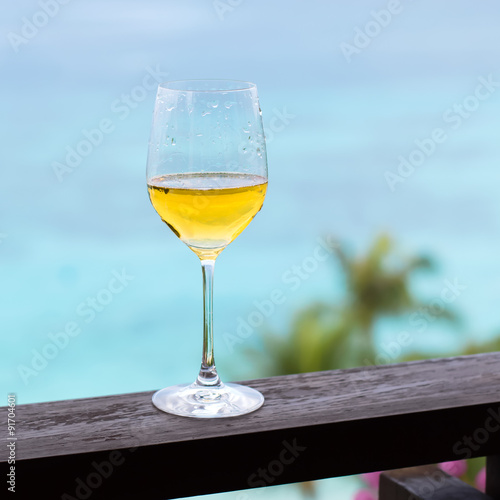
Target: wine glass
[{"x": 207, "y": 179}]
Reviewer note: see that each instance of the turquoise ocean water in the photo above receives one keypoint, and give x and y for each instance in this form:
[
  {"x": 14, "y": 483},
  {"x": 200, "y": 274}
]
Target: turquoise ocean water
[{"x": 335, "y": 128}]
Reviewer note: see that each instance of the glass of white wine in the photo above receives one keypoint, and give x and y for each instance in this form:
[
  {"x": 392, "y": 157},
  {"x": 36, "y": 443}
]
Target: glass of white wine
[{"x": 207, "y": 179}]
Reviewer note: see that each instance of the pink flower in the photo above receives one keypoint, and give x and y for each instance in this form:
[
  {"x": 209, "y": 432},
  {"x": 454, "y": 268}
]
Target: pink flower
[
  {"x": 364, "y": 495},
  {"x": 457, "y": 468},
  {"x": 481, "y": 480},
  {"x": 371, "y": 479}
]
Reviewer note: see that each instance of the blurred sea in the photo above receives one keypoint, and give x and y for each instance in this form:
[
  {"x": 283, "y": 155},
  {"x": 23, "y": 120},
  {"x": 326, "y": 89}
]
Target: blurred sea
[{"x": 334, "y": 129}]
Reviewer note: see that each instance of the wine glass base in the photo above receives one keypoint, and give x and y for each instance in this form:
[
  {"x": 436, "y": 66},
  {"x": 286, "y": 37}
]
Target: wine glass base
[{"x": 193, "y": 400}]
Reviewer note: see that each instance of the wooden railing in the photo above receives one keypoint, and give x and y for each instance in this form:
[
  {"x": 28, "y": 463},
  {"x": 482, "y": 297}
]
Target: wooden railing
[{"x": 312, "y": 426}]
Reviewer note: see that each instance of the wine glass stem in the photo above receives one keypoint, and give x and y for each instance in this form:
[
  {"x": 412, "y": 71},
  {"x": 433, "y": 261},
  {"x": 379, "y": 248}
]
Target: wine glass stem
[{"x": 208, "y": 373}]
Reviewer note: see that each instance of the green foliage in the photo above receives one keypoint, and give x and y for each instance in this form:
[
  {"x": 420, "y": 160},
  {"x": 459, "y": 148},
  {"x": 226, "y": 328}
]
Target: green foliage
[
  {"x": 374, "y": 286},
  {"x": 474, "y": 465},
  {"x": 476, "y": 348},
  {"x": 315, "y": 340},
  {"x": 326, "y": 336}
]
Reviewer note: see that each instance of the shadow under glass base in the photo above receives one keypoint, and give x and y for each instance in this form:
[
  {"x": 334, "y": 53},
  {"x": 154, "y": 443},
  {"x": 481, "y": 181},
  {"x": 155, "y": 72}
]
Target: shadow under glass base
[{"x": 193, "y": 400}]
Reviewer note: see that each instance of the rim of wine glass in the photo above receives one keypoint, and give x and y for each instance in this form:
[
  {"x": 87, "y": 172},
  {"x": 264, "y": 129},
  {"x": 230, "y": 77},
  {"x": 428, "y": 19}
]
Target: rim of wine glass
[{"x": 180, "y": 85}]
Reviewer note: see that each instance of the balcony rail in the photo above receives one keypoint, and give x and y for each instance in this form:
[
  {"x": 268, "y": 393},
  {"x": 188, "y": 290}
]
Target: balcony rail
[{"x": 312, "y": 426}]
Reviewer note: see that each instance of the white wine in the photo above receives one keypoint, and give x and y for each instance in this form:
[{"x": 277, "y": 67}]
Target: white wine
[{"x": 207, "y": 210}]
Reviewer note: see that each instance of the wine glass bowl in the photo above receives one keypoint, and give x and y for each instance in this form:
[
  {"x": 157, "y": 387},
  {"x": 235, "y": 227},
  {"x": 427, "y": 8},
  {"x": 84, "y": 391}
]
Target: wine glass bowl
[
  {"x": 207, "y": 179},
  {"x": 207, "y": 210}
]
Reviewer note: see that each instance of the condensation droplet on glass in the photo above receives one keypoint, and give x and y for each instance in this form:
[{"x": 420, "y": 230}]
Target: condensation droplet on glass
[
  {"x": 228, "y": 104},
  {"x": 199, "y": 135},
  {"x": 205, "y": 113},
  {"x": 190, "y": 108},
  {"x": 170, "y": 108},
  {"x": 212, "y": 104}
]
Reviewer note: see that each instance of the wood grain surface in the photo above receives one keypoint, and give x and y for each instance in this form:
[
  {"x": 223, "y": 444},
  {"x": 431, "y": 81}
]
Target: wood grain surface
[
  {"x": 426, "y": 483},
  {"x": 330, "y": 423}
]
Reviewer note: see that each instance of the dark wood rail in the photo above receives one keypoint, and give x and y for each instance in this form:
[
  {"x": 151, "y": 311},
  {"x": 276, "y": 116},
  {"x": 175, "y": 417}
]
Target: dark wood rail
[
  {"x": 426, "y": 483},
  {"x": 312, "y": 426}
]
